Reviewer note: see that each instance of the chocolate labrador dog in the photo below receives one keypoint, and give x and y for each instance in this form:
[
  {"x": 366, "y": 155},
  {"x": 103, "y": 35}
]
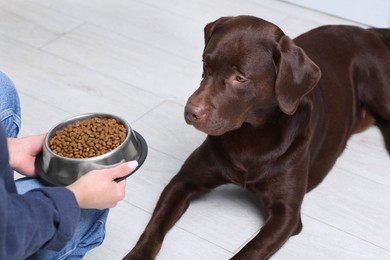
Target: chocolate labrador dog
[{"x": 278, "y": 113}]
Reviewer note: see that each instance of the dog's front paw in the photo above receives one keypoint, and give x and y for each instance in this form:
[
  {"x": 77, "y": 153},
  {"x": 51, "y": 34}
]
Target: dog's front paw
[
  {"x": 144, "y": 250},
  {"x": 134, "y": 255}
]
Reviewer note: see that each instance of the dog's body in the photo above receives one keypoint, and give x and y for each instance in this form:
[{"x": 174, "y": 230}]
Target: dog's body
[{"x": 278, "y": 117}]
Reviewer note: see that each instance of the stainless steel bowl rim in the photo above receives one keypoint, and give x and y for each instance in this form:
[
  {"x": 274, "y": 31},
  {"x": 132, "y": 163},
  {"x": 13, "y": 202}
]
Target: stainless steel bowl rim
[{"x": 81, "y": 117}]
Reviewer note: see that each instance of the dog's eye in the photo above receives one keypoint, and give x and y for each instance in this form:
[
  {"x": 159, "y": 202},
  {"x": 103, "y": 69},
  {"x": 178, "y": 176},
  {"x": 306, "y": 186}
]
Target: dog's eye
[{"x": 241, "y": 78}]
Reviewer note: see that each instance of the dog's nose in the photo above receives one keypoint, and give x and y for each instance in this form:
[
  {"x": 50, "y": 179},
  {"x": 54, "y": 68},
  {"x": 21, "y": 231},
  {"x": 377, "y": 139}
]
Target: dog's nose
[{"x": 194, "y": 113}]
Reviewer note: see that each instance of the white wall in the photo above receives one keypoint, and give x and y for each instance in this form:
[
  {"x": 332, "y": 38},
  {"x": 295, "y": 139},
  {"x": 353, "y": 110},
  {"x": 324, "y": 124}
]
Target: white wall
[{"x": 370, "y": 12}]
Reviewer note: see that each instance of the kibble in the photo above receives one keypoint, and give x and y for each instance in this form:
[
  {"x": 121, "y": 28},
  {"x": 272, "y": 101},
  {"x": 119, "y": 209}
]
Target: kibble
[{"x": 88, "y": 138}]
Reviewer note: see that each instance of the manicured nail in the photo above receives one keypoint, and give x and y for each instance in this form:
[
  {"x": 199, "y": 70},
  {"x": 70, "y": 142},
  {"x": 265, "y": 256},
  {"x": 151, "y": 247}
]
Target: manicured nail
[{"x": 132, "y": 164}]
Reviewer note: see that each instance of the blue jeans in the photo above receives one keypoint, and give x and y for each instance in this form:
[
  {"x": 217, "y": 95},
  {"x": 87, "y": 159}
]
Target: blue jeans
[
  {"x": 90, "y": 231},
  {"x": 9, "y": 106}
]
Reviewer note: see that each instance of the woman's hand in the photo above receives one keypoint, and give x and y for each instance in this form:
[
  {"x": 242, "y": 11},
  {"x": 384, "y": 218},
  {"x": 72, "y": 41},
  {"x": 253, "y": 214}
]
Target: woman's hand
[
  {"x": 22, "y": 153},
  {"x": 98, "y": 189}
]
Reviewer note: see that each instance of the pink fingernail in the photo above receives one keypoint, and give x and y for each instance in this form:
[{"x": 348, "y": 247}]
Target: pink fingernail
[{"x": 132, "y": 164}]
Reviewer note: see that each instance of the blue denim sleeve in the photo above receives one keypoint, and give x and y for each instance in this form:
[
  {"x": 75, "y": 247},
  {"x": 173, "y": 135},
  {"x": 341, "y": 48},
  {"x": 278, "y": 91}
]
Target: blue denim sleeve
[{"x": 41, "y": 218}]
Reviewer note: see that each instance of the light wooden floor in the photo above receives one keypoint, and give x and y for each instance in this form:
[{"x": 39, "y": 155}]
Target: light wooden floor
[{"x": 141, "y": 60}]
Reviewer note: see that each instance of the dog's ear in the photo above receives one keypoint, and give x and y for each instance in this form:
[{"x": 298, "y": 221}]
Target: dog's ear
[
  {"x": 296, "y": 76},
  {"x": 209, "y": 28}
]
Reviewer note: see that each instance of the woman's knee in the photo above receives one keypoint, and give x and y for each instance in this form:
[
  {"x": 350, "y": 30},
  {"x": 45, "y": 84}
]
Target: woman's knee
[{"x": 10, "y": 114}]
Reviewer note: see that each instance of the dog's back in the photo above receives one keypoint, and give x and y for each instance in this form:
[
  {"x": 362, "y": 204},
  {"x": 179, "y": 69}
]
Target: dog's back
[
  {"x": 384, "y": 34},
  {"x": 353, "y": 90}
]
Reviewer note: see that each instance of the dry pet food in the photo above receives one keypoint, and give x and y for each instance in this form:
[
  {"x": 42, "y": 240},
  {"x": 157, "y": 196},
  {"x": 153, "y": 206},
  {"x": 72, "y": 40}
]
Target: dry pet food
[{"x": 88, "y": 138}]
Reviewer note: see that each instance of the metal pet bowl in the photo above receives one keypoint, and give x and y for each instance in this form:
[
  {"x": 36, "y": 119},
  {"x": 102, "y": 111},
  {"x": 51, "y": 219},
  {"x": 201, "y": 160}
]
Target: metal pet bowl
[{"x": 61, "y": 171}]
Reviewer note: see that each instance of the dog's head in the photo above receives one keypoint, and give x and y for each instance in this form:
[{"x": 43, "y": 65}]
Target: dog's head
[{"x": 251, "y": 71}]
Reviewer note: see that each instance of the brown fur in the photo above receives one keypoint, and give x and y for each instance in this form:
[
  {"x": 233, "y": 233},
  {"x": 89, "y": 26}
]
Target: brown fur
[{"x": 278, "y": 114}]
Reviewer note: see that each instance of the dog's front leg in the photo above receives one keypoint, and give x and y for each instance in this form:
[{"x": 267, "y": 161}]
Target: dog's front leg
[
  {"x": 173, "y": 202},
  {"x": 283, "y": 205},
  {"x": 272, "y": 236}
]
